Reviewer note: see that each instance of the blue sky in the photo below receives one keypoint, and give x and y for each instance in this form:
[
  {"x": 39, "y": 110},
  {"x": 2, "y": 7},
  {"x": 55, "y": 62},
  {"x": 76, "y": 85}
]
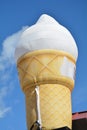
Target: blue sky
[{"x": 15, "y": 16}]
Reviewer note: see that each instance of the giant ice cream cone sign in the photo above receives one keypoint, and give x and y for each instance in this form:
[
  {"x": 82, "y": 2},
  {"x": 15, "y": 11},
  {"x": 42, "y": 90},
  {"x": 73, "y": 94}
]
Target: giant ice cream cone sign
[{"x": 46, "y": 61}]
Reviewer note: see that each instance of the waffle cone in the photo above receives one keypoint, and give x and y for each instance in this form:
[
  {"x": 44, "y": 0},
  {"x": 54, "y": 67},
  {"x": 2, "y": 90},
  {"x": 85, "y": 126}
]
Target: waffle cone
[{"x": 43, "y": 69}]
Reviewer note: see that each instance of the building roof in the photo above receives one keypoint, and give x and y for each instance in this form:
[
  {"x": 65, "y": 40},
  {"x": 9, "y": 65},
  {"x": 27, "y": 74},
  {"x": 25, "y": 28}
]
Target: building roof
[
  {"x": 79, "y": 115},
  {"x": 79, "y": 121}
]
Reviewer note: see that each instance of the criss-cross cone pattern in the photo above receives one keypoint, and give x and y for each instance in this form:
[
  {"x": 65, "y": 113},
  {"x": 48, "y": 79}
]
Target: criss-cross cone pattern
[
  {"x": 55, "y": 106},
  {"x": 43, "y": 68}
]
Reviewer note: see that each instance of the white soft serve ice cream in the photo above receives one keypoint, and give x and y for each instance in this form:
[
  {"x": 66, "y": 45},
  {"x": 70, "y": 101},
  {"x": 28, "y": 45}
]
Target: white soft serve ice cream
[
  {"x": 52, "y": 70},
  {"x": 47, "y": 33}
]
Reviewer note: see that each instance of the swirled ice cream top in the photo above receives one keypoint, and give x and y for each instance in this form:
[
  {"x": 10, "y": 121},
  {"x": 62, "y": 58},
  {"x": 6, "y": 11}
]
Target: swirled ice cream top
[{"x": 47, "y": 33}]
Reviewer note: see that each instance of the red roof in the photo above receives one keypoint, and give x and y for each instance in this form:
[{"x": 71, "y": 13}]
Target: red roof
[{"x": 79, "y": 115}]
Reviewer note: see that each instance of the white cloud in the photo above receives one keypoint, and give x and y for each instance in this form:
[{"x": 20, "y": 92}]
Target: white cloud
[
  {"x": 7, "y": 81},
  {"x": 3, "y": 109},
  {"x": 9, "y": 45}
]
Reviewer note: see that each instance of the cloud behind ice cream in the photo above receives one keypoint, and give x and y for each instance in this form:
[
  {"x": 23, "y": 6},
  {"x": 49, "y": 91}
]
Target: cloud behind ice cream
[
  {"x": 3, "y": 108},
  {"x": 9, "y": 46},
  {"x": 7, "y": 83}
]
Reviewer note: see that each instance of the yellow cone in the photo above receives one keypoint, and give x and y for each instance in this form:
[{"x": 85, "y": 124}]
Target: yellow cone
[{"x": 45, "y": 68}]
